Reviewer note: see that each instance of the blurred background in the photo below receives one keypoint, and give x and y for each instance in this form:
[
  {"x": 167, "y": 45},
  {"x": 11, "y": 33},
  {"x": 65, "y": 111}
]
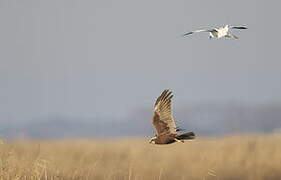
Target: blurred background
[{"x": 94, "y": 68}]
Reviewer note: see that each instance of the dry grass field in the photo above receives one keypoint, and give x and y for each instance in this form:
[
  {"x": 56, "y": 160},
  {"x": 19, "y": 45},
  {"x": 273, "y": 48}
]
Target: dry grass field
[{"x": 238, "y": 157}]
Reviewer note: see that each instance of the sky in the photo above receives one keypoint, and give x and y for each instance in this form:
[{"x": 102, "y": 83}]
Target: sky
[{"x": 107, "y": 59}]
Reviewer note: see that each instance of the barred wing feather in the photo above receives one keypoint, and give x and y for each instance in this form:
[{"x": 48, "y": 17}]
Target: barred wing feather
[{"x": 162, "y": 117}]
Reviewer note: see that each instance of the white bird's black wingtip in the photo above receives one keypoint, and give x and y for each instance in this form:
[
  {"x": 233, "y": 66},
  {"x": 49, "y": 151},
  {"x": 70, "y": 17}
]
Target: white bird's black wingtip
[
  {"x": 239, "y": 27},
  {"x": 186, "y": 34}
]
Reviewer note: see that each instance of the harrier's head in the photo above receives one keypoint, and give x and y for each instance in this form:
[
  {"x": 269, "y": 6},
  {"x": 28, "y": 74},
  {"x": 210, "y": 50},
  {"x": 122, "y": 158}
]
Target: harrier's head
[{"x": 152, "y": 140}]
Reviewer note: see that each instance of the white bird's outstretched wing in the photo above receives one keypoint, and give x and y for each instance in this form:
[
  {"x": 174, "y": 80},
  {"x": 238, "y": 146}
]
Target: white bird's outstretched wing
[{"x": 201, "y": 30}]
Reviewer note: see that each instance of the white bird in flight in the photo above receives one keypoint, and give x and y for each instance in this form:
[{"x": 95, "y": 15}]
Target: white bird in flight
[{"x": 219, "y": 32}]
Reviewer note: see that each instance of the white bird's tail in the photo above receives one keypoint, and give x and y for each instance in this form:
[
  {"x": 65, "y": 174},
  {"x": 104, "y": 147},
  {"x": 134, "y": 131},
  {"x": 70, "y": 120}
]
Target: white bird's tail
[{"x": 231, "y": 36}]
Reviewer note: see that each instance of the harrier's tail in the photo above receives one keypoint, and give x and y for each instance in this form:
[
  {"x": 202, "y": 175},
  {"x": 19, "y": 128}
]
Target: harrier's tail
[{"x": 186, "y": 136}]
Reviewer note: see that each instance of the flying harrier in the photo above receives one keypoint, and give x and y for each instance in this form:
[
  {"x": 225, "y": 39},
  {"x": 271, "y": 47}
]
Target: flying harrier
[
  {"x": 219, "y": 32},
  {"x": 166, "y": 130}
]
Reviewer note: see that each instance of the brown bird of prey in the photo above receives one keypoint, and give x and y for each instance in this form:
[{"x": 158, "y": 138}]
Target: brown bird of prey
[{"x": 163, "y": 121}]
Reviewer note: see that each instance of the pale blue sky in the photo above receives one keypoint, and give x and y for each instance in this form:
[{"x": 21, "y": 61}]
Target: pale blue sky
[{"x": 105, "y": 58}]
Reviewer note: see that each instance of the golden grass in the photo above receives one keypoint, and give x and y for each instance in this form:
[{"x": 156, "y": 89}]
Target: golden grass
[{"x": 230, "y": 158}]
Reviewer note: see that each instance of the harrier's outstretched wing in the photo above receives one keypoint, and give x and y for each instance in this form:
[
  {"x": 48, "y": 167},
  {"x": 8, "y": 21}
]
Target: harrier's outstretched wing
[
  {"x": 162, "y": 116},
  {"x": 202, "y": 30}
]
